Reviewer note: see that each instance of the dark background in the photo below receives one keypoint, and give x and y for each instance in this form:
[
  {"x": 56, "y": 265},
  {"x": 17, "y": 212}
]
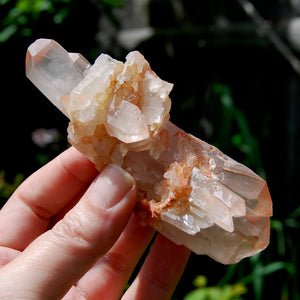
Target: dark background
[{"x": 233, "y": 87}]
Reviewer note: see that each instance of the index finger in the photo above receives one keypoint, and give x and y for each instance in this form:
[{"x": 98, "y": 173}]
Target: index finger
[{"x": 44, "y": 194}]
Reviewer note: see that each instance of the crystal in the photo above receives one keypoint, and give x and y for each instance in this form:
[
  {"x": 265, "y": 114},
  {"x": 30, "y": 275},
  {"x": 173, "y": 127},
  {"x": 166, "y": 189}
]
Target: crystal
[
  {"x": 188, "y": 190},
  {"x": 48, "y": 65}
]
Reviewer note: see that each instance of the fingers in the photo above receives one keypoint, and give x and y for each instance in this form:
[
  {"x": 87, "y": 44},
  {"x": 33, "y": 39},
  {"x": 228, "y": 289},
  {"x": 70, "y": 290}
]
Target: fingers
[
  {"x": 61, "y": 256},
  {"x": 160, "y": 273},
  {"x": 107, "y": 279},
  {"x": 157, "y": 279},
  {"x": 27, "y": 213},
  {"x": 7, "y": 255}
]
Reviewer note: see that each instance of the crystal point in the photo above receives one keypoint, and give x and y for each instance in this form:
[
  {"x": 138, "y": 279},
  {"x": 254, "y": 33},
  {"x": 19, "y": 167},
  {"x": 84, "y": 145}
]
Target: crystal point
[
  {"x": 51, "y": 69},
  {"x": 187, "y": 189}
]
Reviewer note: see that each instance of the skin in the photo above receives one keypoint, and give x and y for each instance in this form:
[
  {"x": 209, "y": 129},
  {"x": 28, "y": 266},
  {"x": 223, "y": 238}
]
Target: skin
[{"x": 70, "y": 233}]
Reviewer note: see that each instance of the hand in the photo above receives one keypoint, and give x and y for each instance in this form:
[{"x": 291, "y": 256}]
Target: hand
[{"x": 69, "y": 232}]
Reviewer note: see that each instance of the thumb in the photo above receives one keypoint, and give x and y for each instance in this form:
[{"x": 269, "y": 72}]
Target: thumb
[{"x": 58, "y": 258}]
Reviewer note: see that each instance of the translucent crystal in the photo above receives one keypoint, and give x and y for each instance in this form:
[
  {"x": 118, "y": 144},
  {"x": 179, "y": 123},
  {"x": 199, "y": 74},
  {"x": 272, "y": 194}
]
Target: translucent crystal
[
  {"x": 51, "y": 69},
  {"x": 187, "y": 189},
  {"x": 126, "y": 122}
]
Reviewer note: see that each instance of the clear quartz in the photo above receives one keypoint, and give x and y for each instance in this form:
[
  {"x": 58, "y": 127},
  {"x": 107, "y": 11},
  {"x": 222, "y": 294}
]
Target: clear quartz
[
  {"x": 187, "y": 189},
  {"x": 50, "y": 67}
]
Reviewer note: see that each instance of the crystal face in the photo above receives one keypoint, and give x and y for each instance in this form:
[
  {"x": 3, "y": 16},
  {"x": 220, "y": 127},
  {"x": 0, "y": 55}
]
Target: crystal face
[{"x": 187, "y": 189}]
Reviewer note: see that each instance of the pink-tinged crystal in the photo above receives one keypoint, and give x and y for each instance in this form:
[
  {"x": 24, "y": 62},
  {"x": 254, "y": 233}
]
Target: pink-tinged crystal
[
  {"x": 50, "y": 67},
  {"x": 187, "y": 189}
]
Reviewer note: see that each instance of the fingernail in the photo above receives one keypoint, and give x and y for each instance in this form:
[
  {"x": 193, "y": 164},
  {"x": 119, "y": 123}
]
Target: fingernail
[{"x": 111, "y": 186}]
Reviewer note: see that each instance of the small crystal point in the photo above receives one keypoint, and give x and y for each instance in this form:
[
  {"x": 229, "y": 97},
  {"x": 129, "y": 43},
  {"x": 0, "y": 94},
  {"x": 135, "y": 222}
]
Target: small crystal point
[
  {"x": 51, "y": 69},
  {"x": 127, "y": 123},
  {"x": 187, "y": 189},
  {"x": 80, "y": 62}
]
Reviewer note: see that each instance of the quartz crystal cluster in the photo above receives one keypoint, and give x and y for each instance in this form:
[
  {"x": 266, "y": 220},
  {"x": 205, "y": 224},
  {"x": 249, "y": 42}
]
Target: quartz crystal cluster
[{"x": 187, "y": 189}]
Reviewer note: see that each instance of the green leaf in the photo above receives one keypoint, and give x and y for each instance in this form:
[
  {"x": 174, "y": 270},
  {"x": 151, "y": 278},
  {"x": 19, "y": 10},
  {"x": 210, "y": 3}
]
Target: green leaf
[
  {"x": 238, "y": 289},
  {"x": 8, "y": 32},
  {"x": 278, "y": 226},
  {"x": 60, "y": 16},
  {"x": 2, "y": 2},
  {"x": 229, "y": 274},
  {"x": 271, "y": 268},
  {"x": 33, "y": 6},
  {"x": 44, "y": 5},
  {"x": 198, "y": 294},
  {"x": 296, "y": 213},
  {"x": 290, "y": 222},
  {"x": 24, "y": 5}
]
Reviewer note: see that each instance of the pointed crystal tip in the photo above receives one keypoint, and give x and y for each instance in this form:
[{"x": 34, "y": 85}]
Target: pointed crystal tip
[
  {"x": 35, "y": 48},
  {"x": 50, "y": 67}
]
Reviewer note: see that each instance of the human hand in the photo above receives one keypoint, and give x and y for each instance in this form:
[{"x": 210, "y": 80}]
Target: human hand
[{"x": 69, "y": 233}]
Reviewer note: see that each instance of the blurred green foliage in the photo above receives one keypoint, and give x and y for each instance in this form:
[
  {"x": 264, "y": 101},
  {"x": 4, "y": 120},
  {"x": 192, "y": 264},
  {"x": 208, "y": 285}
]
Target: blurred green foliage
[
  {"x": 7, "y": 188},
  {"x": 259, "y": 270},
  {"x": 22, "y": 14},
  {"x": 230, "y": 130},
  {"x": 220, "y": 292}
]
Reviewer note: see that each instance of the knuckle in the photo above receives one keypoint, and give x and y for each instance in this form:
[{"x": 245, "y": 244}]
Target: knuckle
[
  {"x": 73, "y": 231},
  {"x": 157, "y": 281},
  {"x": 116, "y": 262}
]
